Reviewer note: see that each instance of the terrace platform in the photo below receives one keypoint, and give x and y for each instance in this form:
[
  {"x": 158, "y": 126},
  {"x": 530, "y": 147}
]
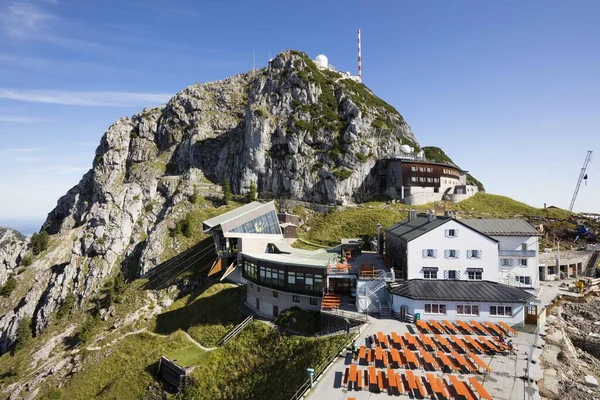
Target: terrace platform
[{"x": 504, "y": 382}]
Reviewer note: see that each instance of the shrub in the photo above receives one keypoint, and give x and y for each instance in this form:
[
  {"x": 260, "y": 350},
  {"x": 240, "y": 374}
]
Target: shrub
[
  {"x": 24, "y": 334},
  {"x": 182, "y": 227},
  {"x": 253, "y": 193},
  {"x": 148, "y": 207},
  {"x": 226, "y": 191},
  {"x": 39, "y": 242},
  {"x": 194, "y": 196},
  {"x": 9, "y": 286},
  {"x": 361, "y": 157},
  {"x": 27, "y": 260},
  {"x": 298, "y": 320},
  {"x": 342, "y": 173},
  {"x": 100, "y": 241},
  {"x": 98, "y": 159},
  {"x": 67, "y": 306}
]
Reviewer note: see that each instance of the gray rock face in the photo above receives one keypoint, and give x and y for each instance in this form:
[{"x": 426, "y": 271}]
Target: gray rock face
[{"x": 298, "y": 132}]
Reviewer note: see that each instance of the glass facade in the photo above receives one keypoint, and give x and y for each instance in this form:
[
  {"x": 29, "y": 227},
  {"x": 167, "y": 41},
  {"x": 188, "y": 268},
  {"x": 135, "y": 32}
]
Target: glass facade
[
  {"x": 287, "y": 278},
  {"x": 265, "y": 224}
]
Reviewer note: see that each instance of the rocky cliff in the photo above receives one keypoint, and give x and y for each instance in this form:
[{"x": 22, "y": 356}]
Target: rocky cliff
[{"x": 295, "y": 130}]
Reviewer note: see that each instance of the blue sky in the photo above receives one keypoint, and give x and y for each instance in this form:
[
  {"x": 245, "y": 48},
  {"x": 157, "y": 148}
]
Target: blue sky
[{"x": 509, "y": 89}]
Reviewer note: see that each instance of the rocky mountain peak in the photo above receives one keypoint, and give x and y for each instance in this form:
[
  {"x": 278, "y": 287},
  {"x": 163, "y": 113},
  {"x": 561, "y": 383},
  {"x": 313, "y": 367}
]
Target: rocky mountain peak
[{"x": 297, "y": 131}]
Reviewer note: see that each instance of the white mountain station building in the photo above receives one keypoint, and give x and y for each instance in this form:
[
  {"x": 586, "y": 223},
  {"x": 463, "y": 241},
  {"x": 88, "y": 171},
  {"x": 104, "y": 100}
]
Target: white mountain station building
[{"x": 449, "y": 269}]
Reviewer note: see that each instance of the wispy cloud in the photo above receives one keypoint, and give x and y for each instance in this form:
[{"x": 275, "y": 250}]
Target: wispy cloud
[
  {"x": 23, "y": 20},
  {"x": 19, "y": 150},
  {"x": 86, "y": 99},
  {"x": 21, "y": 119},
  {"x": 20, "y": 20}
]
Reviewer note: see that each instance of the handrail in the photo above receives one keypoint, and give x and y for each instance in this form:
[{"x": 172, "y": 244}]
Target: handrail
[
  {"x": 318, "y": 372},
  {"x": 235, "y": 331}
]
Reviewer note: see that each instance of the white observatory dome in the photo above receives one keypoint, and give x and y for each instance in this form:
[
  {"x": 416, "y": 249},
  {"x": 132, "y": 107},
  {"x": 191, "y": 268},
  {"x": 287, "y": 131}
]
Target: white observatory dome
[
  {"x": 406, "y": 148},
  {"x": 322, "y": 61}
]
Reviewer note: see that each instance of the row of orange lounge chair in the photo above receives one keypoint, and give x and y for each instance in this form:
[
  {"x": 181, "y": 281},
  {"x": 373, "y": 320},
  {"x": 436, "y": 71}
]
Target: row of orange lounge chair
[
  {"x": 408, "y": 383},
  {"x": 472, "y": 328},
  {"x": 480, "y": 344}
]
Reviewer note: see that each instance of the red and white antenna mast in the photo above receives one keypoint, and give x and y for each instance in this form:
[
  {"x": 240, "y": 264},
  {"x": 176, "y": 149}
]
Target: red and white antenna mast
[{"x": 359, "y": 59}]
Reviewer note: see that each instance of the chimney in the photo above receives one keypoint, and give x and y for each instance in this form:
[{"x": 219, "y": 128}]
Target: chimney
[
  {"x": 412, "y": 215},
  {"x": 431, "y": 215}
]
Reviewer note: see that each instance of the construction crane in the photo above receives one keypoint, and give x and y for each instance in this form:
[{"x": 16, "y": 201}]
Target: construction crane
[{"x": 582, "y": 176}]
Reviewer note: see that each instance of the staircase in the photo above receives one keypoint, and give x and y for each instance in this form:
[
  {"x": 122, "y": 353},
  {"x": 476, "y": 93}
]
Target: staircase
[
  {"x": 331, "y": 301},
  {"x": 590, "y": 270},
  {"x": 235, "y": 331},
  {"x": 369, "y": 290}
]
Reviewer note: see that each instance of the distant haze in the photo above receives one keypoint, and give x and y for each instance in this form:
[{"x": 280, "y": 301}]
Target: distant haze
[{"x": 26, "y": 227}]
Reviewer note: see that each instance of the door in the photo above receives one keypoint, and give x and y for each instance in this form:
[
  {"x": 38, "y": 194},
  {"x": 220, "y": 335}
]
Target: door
[
  {"x": 531, "y": 315},
  {"x": 403, "y": 312},
  {"x": 257, "y": 304},
  {"x": 275, "y": 311}
]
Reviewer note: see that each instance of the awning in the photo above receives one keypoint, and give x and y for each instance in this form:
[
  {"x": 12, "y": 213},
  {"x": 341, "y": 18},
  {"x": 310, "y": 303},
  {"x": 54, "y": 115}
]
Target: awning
[
  {"x": 474, "y": 269},
  {"x": 430, "y": 268}
]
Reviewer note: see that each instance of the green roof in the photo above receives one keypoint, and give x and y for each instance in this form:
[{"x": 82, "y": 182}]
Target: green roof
[
  {"x": 409, "y": 230},
  {"x": 502, "y": 227},
  {"x": 288, "y": 259},
  {"x": 331, "y": 255}
]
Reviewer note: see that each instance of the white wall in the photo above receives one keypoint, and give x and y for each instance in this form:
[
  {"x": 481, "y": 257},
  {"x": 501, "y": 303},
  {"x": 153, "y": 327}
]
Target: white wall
[
  {"x": 515, "y": 243},
  {"x": 418, "y": 306},
  {"x": 467, "y": 239},
  {"x": 283, "y": 301}
]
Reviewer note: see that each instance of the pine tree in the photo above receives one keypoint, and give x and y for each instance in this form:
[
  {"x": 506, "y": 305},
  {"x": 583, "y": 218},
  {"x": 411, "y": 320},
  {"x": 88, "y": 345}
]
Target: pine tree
[
  {"x": 253, "y": 193},
  {"x": 226, "y": 191},
  {"x": 24, "y": 334}
]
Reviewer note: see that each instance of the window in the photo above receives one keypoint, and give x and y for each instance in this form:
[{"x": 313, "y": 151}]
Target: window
[
  {"x": 250, "y": 269},
  {"x": 422, "y": 179},
  {"x": 467, "y": 309},
  {"x": 452, "y": 274},
  {"x": 506, "y": 262},
  {"x": 429, "y": 253},
  {"x": 421, "y": 169},
  {"x": 265, "y": 224},
  {"x": 275, "y": 294},
  {"x": 473, "y": 253},
  {"x": 501, "y": 311},
  {"x": 451, "y": 253},
  {"x": 474, "y": 275},
  {"x": 413, "y": 169},
  {"x": 451, "y": 232},
  {"x": 291, "y": 278},
  {"x": 429, "y": 180},
  {"x": 414, "y": 179},
  {"x": 429, "y": 169},
  {"x": 435, "y": 308},
  {"x": 437, "y": 180},
  {"x": 313, "y": 301},
  {"x": 522, "y": 262},
  {"x": 525, "y": 280},
  {"x": 295, "y": 299},
  {"x": 429, "y": 274},
  {"x": 524, "y": 246}
]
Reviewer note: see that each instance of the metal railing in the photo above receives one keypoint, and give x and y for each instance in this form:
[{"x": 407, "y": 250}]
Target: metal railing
[
  {"x": 235, "y": 331},
  {"x": 516, "y": 253},
  {"x": 319, "y": 370}
]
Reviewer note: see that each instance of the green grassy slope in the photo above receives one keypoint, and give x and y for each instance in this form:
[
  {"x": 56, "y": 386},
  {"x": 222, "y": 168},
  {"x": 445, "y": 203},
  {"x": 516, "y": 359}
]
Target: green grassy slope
[
  {"x": 495, "y": 206},
  {"x": 436, "y": 154}
]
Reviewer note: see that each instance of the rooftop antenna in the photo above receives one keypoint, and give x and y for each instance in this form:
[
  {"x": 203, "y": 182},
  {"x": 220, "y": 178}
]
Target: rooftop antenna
[
  {"x": 582, "y": 176},
  {"x": 254, "y": 60},
  {"x": 359, "y": 59}
]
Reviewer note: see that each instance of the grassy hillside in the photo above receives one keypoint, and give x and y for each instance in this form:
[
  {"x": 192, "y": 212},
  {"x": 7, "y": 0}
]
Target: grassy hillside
[
  {"x": 361, "y": 220},
  {"x": 259, "y": 363},
  {"x": 436, "y": 154},
  {"x": 495, "y": 206}
]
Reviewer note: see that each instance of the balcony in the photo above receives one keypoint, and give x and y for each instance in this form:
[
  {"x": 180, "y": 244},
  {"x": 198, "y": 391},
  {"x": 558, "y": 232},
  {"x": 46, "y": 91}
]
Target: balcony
[{"x": 516, "y": 253}]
